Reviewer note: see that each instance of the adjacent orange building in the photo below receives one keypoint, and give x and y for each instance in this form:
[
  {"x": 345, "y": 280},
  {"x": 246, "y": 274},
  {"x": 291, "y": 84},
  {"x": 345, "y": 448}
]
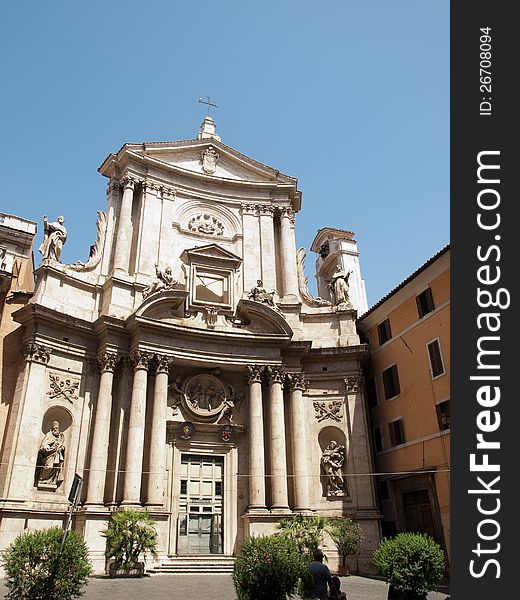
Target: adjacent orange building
[
  {"x": 16, "y": 288},
  {"x": 408, "y": 393}
]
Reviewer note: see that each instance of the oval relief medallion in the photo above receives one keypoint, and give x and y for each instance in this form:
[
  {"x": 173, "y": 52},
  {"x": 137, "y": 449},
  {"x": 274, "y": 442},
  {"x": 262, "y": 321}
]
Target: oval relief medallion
[{"x": 205, "y": 395}]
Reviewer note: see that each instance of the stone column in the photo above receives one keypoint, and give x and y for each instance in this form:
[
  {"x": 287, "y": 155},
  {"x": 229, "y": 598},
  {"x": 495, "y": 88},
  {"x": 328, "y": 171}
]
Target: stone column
[
  {"x": 267, "y": 247},
  {"x": 278, "y": 478},
  {"x": 100, "y": 438},
  {"x": 135, "y": 439},
  {"x": 256, "y": 441},
  {"x": 251, "y": 267},
  {"x": 288, "y": 250},
  {"x": 124, "y": 227},
  {"x": 299, "y": 443},
  {"x": 155, "y": 492}
]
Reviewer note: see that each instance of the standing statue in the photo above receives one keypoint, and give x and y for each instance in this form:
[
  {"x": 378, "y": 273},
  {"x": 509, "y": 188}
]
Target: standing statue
[
  {"x": 332, "y": 461},
  {"x": 163, "y": 280},
  {"x": 260, "y": 294},
  {"x": 51, "y": 456},
  {"x": 339, "y": 287},
  {"x": 54, "y": 236}
]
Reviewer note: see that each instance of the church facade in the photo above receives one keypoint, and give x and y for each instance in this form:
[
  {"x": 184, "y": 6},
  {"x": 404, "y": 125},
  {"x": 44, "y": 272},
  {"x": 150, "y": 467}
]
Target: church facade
[{"x": 185, "y": 367}]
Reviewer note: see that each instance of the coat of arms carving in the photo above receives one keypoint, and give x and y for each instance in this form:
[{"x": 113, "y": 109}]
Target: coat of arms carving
[{"x": 209, "y": 160}]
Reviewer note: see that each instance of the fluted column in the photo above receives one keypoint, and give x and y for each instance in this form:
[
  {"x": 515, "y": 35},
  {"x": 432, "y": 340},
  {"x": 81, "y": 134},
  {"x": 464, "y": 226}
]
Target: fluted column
[
  {"x": 124, "y": 227},
  {"x": 278, "y": 478},
  {"x": 256, "y": 441},
  {"x": 299, "y": 442},
  {"x": 155, "y": 495},
  {"x": 289, "y": 274},
  {"x": 100, "y": 438},
  {"x": 135, "y": 439}
]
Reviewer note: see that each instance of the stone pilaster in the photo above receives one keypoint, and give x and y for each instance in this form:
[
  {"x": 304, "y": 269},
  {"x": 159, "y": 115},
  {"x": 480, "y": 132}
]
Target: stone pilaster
[
  {"x": 149, "y": 230},
  {"x": 136, "y": 425},
  {"x": 155, "y": 492},
  {"x": 251, "y": 240},
  {"x": 100, "y": 438},
  {"x": 288, "y": 251},
  {"x": 299, "y": 443},
  {"x": 278, "y": 479},
  {"x": 267, "y": 246},
  {"x": 256, "y": 441}
]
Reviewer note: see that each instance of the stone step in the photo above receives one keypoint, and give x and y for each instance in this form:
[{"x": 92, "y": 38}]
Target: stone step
[{"x": 195, "y": 564}]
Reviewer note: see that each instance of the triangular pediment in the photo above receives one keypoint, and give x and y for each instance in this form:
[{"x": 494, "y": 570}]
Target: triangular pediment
[
  {"x": 208, "y": 158},
  {"x": 213, "y": 253}
]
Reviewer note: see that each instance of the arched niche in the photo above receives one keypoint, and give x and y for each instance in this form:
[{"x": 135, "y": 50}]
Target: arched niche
[{"x": 332, "y": 442}]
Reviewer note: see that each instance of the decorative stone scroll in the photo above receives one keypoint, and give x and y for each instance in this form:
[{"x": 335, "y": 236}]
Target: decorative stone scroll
[
  {"x": 302, "y": 283},
  {"x": 207, "y": 224},
  {"x": 328, "y": 410},
  {"x": 96, "y": 249},
  {"x": 63, "y": 388}
]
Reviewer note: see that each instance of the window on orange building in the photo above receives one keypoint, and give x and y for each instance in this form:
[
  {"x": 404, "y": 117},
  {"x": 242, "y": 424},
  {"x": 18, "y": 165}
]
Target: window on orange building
[
  {"x": 371, "y": 393},
  {"x": 444, "y": 415},
  {"x": 391, "y": 382},
  {"x": 434, "y": 352},
  {"x": 378, "y": 438},
  {"x": 425, "y": 303},
  {"x": 384, "y": 332},
  {"x": 396, "y": 432}
]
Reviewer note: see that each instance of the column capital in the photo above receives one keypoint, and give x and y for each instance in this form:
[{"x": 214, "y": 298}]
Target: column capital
[
  {"x": 162, "y": 363},
  {"x": 128, "y": 181},
  {"x": 107, "y": 361},
  {"x": 266, "y": 210},
  {"x": 297, "y": 381},
  {"x": 249, "y": 209},
  {"x": 353, "y": 383},
  {"x": 140, "y": 360},
  {"x": 287, "y": 212},
  {"x": 34, "y": 352},
  {"x": 254, "y": 374},
  {"x": 275, "y": 374}
]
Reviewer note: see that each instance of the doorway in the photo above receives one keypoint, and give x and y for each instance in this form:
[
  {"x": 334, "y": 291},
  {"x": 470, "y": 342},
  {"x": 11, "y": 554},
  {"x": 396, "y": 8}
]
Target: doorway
[{"x": 200, "y": 505}]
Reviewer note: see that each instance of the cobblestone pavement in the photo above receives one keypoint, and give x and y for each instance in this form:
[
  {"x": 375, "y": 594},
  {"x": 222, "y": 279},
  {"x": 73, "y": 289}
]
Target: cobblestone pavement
[{"x": 209, "y": 587}]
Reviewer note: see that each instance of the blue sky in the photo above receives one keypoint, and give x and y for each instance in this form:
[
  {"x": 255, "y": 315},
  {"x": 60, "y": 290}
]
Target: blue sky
[{"x": 350, "y": 97}]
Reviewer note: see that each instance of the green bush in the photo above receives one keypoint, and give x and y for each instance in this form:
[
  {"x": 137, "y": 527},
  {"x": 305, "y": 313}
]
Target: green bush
[
  {"x": 346, "y": 535},
  {"x": 307, "y": 532},
  {"x": 130, "y": 534},
  {"x": 36, "y": 571},
  {"x": 269, "y": 568},
  {"x": 410, "y": 562}
]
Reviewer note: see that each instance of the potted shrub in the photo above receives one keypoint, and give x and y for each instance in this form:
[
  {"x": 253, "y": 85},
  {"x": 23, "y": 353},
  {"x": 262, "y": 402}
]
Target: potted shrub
[
  {"x": 269, "y": 568},
  {"x": 346, "y": 535},
  {"x": 35, "y": 568},
  {"x": 412, "y": 563},
  {"x": 130, "y": 534}
]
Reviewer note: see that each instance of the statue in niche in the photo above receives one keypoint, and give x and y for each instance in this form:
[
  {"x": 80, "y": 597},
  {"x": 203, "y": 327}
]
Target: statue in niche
[
  {"x": 339, "y": 287},
  {"x": 51, "y": 457},
  {"x": 259, "y": 294},
  {"x": 332, "y": 461},
  {"x": 54, "y": 236},
  {"x": 209, "y": 160},
  {"x": 164, "y": 280}
]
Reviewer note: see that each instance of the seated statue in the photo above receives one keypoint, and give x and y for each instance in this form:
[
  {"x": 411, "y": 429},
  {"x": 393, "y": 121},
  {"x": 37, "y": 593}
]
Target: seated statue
[
  {"x": 163, "y": 280},
  {"x": 260, "y": 294}
]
